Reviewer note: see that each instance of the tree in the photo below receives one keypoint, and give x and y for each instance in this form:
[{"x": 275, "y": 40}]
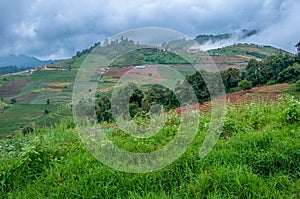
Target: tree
[
  {"x": 199, "y": 85},
  {"x": 297, "y": 85},
  {"x": 298, "y": 46},
  {"x": 103, "y": 111},
  {"x": 231, "y": 77},
  {"x": 254, "y": 72},
  {"x": 245, "y": 84},
  {"x": 13, "y": 101},
  {"x": 290, "y": 74},
  {"x": 273, "y": 65},
  {"x": 158, "y": 94}
]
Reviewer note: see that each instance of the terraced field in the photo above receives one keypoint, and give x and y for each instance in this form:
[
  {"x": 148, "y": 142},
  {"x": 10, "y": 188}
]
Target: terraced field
[
  {"x": 240, "y": 98},
  {"x": 38, "y": 98},
  {"x": 19, "y": 116}
]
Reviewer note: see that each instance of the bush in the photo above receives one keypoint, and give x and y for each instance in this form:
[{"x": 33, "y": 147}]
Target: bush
[
  {"x": 27, "y": 130},
  {"x": 297, "y": 85},
  {"x": 245, "y": 84},
  {"x": 13, "y": 101},
  {"x": 292, "y": 112},
  {"x": 232, "y": 127}
]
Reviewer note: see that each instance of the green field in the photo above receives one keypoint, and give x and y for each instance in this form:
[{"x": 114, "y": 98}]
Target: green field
[
  {"x": 254, "y": 50},
  {"x": 31, "y": 99},
  {"x": 21, "y": 115}
]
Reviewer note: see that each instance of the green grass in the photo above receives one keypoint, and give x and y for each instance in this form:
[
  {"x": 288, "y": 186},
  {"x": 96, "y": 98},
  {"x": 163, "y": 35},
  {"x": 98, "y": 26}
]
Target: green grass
[
  {"x": 54, "y": 76},
  {"x": 32, "y": 99},
  {"x": 257, "y": 156},
  {"x": 38, "y": 86},
  {"x": 246, "y": 49},
  {"x": 21, "y": 115},
  {"x": 293, "y": 91}
]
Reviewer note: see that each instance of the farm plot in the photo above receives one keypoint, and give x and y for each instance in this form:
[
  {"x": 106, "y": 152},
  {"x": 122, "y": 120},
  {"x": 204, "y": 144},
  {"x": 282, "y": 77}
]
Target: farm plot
[
  {"x": 240, "y": 98},
  {"x": 20, "y": 115},
  {"x": 12, "y": 88}
]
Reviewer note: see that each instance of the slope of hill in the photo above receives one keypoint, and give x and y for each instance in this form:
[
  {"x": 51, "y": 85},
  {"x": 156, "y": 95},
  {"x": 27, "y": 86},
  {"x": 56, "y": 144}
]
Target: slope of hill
[
  {"x": 43, "y": 93},
  {"x": 235, "y": 55},
  {"x": 257, "y": 156},
  {"x": 239, "y": 54},
  {"x": 23, "y": 61}
]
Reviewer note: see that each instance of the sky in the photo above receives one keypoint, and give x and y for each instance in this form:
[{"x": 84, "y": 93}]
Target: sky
[{"x": 57, "y": 29}]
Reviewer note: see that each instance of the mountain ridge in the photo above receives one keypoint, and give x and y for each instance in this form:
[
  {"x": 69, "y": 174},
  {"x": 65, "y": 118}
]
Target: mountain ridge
[{"x": 23, "y": 61}]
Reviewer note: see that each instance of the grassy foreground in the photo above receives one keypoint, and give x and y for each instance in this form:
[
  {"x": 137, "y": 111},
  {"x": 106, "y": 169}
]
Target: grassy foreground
[{"x": 257, "y": 156}]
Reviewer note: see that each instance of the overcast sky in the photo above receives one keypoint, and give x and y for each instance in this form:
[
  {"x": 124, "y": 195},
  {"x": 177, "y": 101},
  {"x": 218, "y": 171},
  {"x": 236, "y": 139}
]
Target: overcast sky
[{"x": 58, "y": 28}]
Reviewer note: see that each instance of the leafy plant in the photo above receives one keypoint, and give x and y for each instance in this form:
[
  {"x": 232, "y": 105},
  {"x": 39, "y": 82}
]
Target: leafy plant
[
  {"x": 232, "y": 127},
  {"x": 292, "y": 112}
]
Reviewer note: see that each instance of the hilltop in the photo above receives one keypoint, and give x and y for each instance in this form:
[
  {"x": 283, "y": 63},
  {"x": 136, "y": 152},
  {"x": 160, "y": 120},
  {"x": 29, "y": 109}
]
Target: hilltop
[{"x": 234, "y": 55}]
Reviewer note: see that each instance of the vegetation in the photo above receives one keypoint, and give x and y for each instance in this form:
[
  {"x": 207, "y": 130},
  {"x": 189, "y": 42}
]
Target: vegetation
[
  {"x": 202, "y": 39},
  {"x": 274, "y": 69},
  {"x": 257, "y": 156},
  {"x": 148, "y": 56},
  {"x": 28, "y": 100},
  {"x": 271, "y": 70},
  {"x": 10, "y": 69},
  {"x": 245, "y": 84}
]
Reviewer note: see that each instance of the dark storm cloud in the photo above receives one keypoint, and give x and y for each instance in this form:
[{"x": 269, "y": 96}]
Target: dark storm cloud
[{"x": 59, "y": 28}]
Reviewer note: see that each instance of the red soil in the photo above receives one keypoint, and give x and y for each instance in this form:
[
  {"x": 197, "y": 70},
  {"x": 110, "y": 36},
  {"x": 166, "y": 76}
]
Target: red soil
[
  {"x": 11, "y": 88},
  {"x": 262, "y": 93}
]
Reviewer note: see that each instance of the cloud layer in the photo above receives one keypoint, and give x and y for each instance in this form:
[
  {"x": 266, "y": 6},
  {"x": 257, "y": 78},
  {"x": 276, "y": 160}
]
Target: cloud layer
[{"x": 59, "y": 28}]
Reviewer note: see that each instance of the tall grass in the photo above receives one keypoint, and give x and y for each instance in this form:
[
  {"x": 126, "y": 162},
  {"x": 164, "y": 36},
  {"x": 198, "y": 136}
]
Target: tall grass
[{"x": 257, "y": 156}]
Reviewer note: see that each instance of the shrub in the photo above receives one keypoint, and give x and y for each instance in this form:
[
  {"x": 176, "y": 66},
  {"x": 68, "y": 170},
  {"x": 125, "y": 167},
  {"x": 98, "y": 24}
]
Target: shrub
[
  {"x": 13, "y": 101},
  {"x": 297, "y": 85},
  {"x": 245, "y": 84},
  {"x": 292, "y": 111},
  {"x": 231, "y": 127},
  {"x": 27, "y": 130}
]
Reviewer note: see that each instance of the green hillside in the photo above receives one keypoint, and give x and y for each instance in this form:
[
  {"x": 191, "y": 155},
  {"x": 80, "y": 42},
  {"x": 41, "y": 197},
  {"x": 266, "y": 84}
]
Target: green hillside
[
  {"x": 31, "y": 98},
  {"x": 257, "y": 156},
  {"x": 22, "y": 61},
  {"x": 239, "y": 54},
  {"x": 54, "y": 84}
]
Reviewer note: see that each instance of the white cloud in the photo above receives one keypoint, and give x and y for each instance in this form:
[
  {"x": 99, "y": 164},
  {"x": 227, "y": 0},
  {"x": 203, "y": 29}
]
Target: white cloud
[{"x": 44, "y": 28}]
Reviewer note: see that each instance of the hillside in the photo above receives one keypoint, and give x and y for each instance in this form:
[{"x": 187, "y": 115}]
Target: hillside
[
  {"x": 23, "y": 61},
  {"x": 235, "y": 55},
  {"x": 45, "y": 95},
  {"x": 239, "y": 54},
  {"x": 257, "y": 156}
]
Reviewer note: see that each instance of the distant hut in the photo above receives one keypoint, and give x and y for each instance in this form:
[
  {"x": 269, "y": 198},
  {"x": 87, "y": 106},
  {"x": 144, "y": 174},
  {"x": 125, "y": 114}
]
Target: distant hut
[{"x": 298, "y": 46}]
